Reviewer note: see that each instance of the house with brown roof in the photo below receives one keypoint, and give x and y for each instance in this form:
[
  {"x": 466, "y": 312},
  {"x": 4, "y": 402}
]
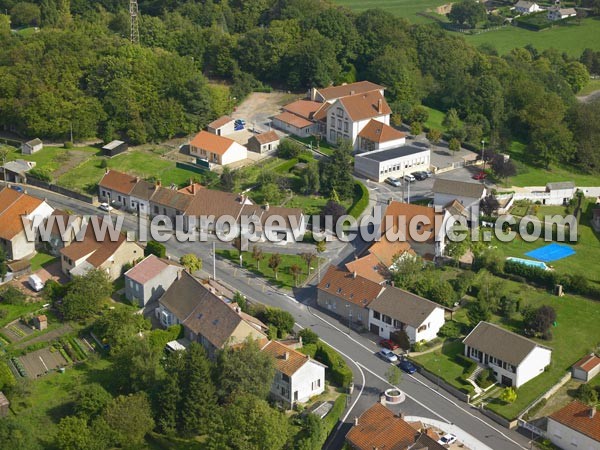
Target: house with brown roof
[
  {"x": 298, "y": 377},
  {"x": 148, "y": 280},
  {"x": 380, "y": 428},
  {"x": 222, "y": 126},
  {"x": 264, "y": 142},
  {"x": 586, "y": 368},
  {"x": 347, "y": 116},
  {"x": 377, "y": 135},
  {"x": 217, "y": 149},
  {"x": 399, "y": 310},
  {"x": 206, "y": 318},
  {"x": 115, "y": 187},
  {"x": 294, "y": 124},
  {"x": 92, "y": 251},
  {"x": 347, "y": 295},
  {"x": 18, "y": 209},
  {"x": 380, "y": 257},
  {"x": 513, "y": 358},
  {"x": 331, "y": 93},
  {"x": 577, "y": 425}
]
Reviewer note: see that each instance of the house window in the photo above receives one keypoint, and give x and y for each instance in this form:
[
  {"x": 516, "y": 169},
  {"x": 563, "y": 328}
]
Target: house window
[
  {"x": 156, "y": 209},
  {"x": 339, "y": 124},
  {"x": 327, "y": 285},
  {"x": 346, "y": 127},
  {"x": 340, "y": 112},
  {"x": 387, "y": 319},
  {"x": 285, "y": 377},
  {"x": 376, "y": 315},
  {"x": 421, "y": 328},
  {"x": 332, "y": 135}
]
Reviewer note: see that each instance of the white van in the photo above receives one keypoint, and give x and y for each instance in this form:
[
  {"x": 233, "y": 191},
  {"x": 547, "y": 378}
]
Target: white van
[{"x": 36, "y": 283}]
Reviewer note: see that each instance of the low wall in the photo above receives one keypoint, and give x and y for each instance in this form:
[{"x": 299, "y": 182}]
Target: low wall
[
  {"x": 510, "y": 424},
  {"x": 61, "y": 190},
  {"x": 440, "y": 381},
  {"x": 549, "y": 393}
]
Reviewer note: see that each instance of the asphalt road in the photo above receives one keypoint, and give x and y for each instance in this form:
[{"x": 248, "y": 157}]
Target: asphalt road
[{"x": 424, "y": 398}]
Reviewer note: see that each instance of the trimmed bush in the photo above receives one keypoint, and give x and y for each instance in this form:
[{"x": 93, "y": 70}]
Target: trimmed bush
[
  {"x": 155, "y": 248},
  {"x": 338, "y": 371},
  {"x": 361, "y": 200}
]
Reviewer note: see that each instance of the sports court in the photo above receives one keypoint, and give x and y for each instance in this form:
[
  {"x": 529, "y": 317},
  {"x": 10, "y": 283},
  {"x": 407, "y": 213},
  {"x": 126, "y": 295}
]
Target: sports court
[{"x": 551, "y": 252}]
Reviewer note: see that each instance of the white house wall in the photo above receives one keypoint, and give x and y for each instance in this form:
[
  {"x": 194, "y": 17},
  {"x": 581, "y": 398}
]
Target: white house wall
[
  {"x": 309, "y": 381},
  {"x": 434, "y": 322},
  {"x": 236, "y": 152},
  {"x": 567, "y": 438},
  {"x": 380, "y": 170},
  {"x": 533, "y": 365}
]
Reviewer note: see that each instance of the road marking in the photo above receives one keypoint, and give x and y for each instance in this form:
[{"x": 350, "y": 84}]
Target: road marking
[{"x": 422, "y": 383}]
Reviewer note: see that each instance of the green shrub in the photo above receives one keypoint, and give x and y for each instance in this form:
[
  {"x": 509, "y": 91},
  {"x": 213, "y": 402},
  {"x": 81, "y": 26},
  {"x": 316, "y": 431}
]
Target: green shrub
[
  {"x": 155, "y": 248},
  {"x": 308, "y": 336},
  {"x": 468, "y": 364},
  {"x": 41, "y": 174},
  {"x": 338, "y": 371},
  {"x": 334, "y": 416},
  {"x": 485, "y": 379},
  {"x": 12, "y": 296},
  {"x": 361, "y": 200},
  {"x": 451, "y": 329},
  {"x": 68, "y": 144}
]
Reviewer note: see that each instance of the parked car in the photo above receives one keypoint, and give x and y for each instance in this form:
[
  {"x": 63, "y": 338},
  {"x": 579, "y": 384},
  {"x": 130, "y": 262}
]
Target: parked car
[
  {"x": 429, "y": 173},
  {"x": 105, "y": 207},
  {"x": 389, "y": 344},
  {"x": 396, "y": 182},
  {"x": 387, "y": 355},
  {"x": 447, "y": 439},
  {"x": 16, "y": 188},
  {"x": 409, "y": 178},
  {"x": 420, "y": 175},
  {"x": 240, "y": 121},
  {"x": 36, "y": 283},
  {"x": 407, "y": 366},
  {"x": 480, "y": 176}
]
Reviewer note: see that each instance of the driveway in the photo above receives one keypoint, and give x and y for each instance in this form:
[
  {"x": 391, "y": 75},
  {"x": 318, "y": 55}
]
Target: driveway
[{"x": 259, "y": 107}]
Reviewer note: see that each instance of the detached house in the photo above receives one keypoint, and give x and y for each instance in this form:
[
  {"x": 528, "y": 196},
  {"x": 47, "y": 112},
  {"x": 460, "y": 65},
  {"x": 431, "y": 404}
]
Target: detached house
[
  {"x": 217, "y": 149},
  {"x": 557, "y": 13},
  {"x": 298, "y": 377},
  {"x": 206, "y": 318},
  {"x": 222, "y": 126},
  {"x": 525, "y": 7},
  {"x": 149, "y": 279},
  {"x": 16, "y": 208},
  {"x": 577, "y": 425},
  {"x": 514, "y": 359},
  {"x": 92, "y": 253},
  {"x": 399, "y": 310},
  {"x": 347, "y": 295},
  {"x": 264, "y": 142}
]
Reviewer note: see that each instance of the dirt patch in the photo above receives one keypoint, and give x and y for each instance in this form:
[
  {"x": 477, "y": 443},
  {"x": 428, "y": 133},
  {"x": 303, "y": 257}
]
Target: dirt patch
[
  {"x": 16, "y": 331},
  {"x": 42, "y": 361},
  {"x": 72, "y": 159},
  {"x": 49, "y": 336},
  {"x": 259, "y": 107}
]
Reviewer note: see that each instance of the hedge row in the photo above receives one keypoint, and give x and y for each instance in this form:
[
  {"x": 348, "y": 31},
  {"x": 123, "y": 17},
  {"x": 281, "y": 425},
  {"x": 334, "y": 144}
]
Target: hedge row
[
  {"x": 337, "y": 371},
  {"x": 577, "y": 284},
  {"x": 333, "y": 417},
  {"x": 361, "y": 200}
]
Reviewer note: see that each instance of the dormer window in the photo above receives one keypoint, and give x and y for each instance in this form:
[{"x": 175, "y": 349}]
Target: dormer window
[
  {"x": 327, "y": 285},
  {"x": 339, "y": 290}
]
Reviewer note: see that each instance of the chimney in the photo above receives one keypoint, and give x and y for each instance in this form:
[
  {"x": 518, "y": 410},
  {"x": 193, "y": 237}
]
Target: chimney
[
  {"x": 106, "y": 170},
  {"x": 400, "y": 415},
  {"x": 266, "y": 207},
  {"x": 300, "y": 340},
  {"x": 352, "y": 92},
  {"x": 354, "y": 274},
  {"x": 158, "y": 183},
  {"x": 382, "y": 399},
  {"x": 592, "y": 412},
  {"x": 286, "y": 355},
  {"x": 355, "y": 421},
  {"x": 179, "y": 274},
  {"x": 238, "y": 309},
  {"x": 392, "y": 283},
  {"x": 380, "y": 106}
]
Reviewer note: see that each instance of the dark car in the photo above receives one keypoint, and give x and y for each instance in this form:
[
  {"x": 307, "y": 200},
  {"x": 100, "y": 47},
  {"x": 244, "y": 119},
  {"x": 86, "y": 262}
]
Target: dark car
[
  {"x": 480, "y": 176},
  {"x": 390, "y": 345},
  {"x": 407, "y": 366},
  {"x": 17, "y": 188},
  {"x": 420, "y": 175}
]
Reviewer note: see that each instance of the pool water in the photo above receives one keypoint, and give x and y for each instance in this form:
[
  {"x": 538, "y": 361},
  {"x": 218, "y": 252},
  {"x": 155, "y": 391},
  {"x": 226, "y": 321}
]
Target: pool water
[{"x": 529, "y": 262}]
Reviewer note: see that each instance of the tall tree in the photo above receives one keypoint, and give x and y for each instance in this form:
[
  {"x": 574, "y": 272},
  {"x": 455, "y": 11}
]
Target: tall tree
[
  {"x": 274, "y": 263},
  {"x": 130, "y": 419},
  {"x": 336, "y": 172}
]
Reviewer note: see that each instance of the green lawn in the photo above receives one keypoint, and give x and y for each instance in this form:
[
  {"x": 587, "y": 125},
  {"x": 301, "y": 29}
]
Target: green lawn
[
  {"x": 571, "y": 38},
  {"x": 284, "y": 277},
  {"x": 40, "y": 260},
  {"x": 402, "y": 8},
  {"x": 575, "y": 335},
  {"x": 324, "y": 146},
  {"x": 436, "y": 117},
  {"x": 593, "y": 85},
  {"x": 443, "y": 362},
  {"x": 530, "y": 174}
]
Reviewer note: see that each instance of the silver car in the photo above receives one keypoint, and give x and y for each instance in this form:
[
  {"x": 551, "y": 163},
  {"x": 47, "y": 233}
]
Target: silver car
[{"x": 388, "y": 355}]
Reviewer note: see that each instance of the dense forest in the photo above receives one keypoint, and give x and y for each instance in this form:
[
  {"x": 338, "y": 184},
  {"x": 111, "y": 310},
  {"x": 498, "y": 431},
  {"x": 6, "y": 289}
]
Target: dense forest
[{"x": 81, "y": 71}]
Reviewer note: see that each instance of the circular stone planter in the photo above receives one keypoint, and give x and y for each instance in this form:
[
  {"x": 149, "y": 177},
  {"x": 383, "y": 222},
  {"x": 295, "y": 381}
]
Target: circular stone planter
[{"x": 394, "y": 396}]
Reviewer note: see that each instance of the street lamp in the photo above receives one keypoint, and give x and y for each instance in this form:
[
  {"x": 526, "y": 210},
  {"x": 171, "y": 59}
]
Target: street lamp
[{"x": 483, "y": 152}]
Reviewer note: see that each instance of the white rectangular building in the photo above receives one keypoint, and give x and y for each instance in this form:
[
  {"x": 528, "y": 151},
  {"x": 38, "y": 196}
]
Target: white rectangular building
[{"x": 395, "y": 162}]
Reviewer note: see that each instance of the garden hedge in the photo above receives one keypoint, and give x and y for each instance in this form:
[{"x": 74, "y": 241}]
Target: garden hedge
[{"x": 361, "y": 200}]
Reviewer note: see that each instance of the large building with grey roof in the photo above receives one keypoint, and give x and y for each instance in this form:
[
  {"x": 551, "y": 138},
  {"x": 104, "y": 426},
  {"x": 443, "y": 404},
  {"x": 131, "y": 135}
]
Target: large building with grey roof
[{"x": 513, "y": 358}]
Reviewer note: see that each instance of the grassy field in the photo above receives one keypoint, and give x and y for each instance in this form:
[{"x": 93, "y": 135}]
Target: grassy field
[
  {"x": 593, "y": 85},
  {"x": 571, "y": 38},
  {"x": 40, "y": 260},
  {"x": 587, "y": 249},
  {"x": 402, "y": 8},
  {"x": 575, "y": 335},
  {"x": 531, "y": 174},
  {"x": 80, "y": 168},
  {"x": 285, "y": 279}
]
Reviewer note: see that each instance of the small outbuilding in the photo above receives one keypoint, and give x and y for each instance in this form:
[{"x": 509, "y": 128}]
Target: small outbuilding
[
  {"x": 222, "y": 126},
  {"x": 40, "y": 322},
  {"x": 114, "y": 148},
  {"x": 4, "y": 405},
  {"x": 32, "y": 146},
  {"x": 586, "y": 368},
  {"x": 16, "y": 171},
  {"x": 264, "y": 142}
]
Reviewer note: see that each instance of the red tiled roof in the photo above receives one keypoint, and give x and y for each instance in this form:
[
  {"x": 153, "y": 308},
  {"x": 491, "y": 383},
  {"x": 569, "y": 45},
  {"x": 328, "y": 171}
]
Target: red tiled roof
[
  {"x": 303, "y": 108},
  {"x": 211, "y": 142},
  {"x": 191, "y": 189},
  {"x": 220, "y": 122},
  {"x": 118, "y": 181},
  {"x": 408, "y": 211},
  {"x": 347, "y": 286},
  {"x": 380, "y": 428},
  {"x": 289, "y": 365},
  {"x": 588, "y": 363},
  {"x": 368, "y": 267},
  {"x": 376, "y": 131},
  {"x": 365, "y": 106},
  {"x": 576, "y": 415},
  {"x": 147, "y": 269},
  {"x": 265, "y": 138},
  {"x": 13, "y": 205},
  {"x": 321, "y": 114},
  {"x": 360, "y": 87},
  {"x": 293, "y": 120}
]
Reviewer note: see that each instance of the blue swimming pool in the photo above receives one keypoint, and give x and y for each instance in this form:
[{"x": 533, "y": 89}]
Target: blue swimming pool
[{"x": 529, "y": 262}]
